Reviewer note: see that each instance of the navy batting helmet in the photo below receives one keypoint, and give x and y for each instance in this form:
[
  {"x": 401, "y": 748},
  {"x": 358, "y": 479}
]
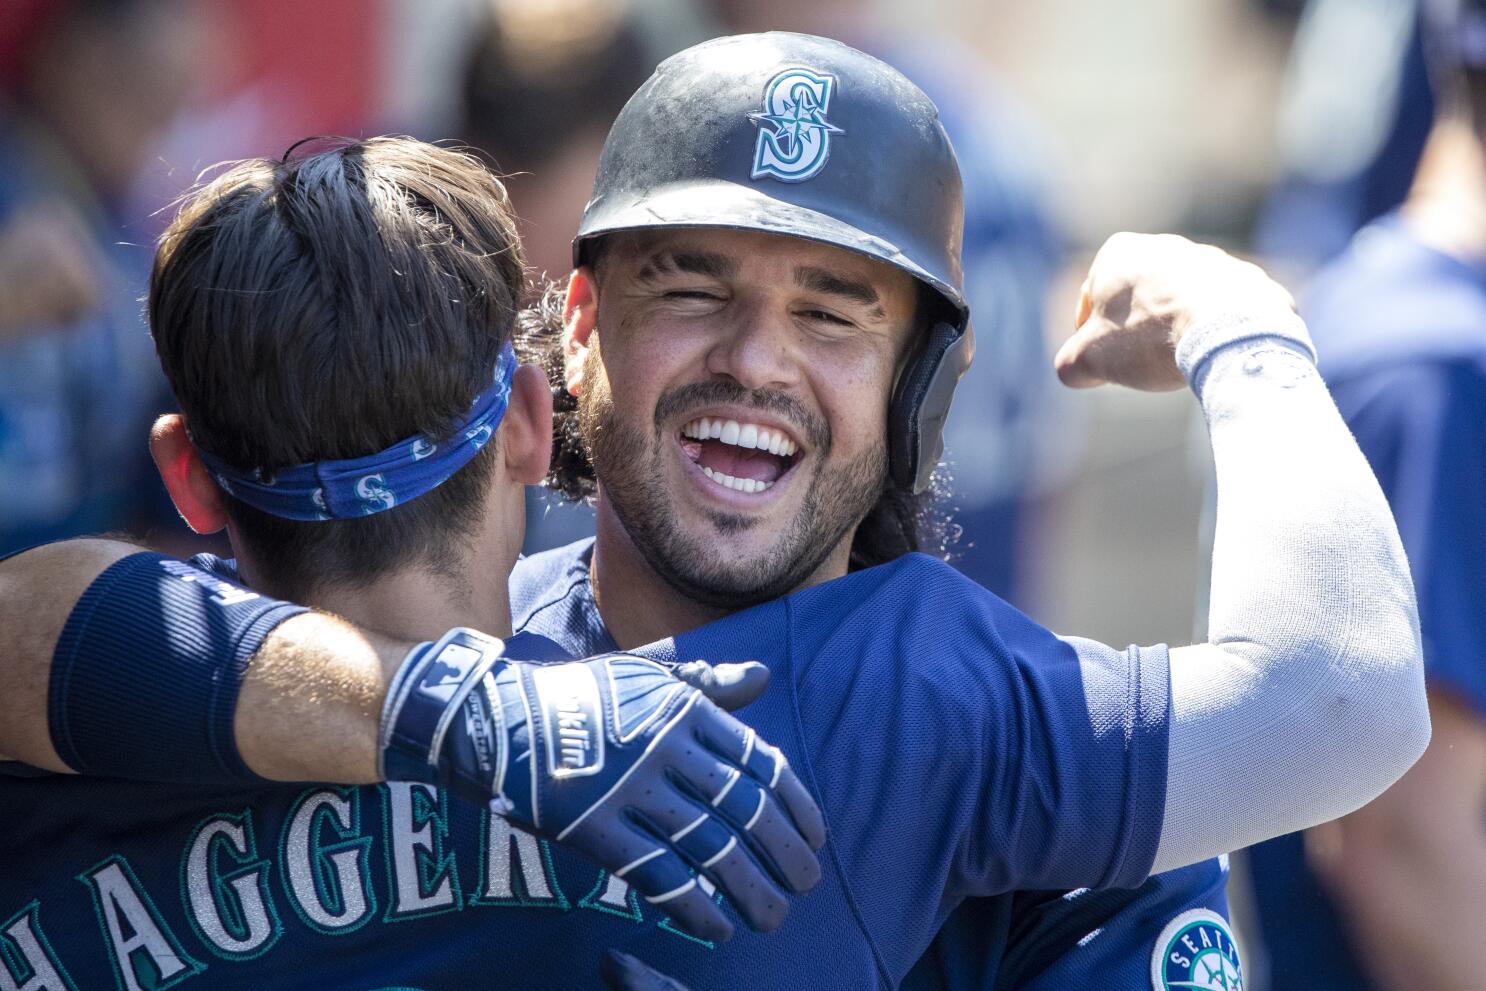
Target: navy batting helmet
[{"x": 798, "y": 135}]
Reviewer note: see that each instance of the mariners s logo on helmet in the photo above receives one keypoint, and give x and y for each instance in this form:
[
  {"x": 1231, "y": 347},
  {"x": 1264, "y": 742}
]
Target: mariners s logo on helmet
[
  {"x": 795, "y": 137},
  {"x": 1196, "y": 952}
]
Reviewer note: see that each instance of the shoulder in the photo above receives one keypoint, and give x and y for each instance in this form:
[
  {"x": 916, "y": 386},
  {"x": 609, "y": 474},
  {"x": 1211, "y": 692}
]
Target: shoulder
[
  {"x": 913, "y": 628},
  {"x": 1389, "y": 297},
  {"x": 916, "y": 620},
  {"x": 534, "y": 647},
  {"x": 1439, "y": 392},
  {"x": 537, "y": 580},
  {"x": 910, "y": 591},
  {"x": 1418, "y": 421},
  {"x": 551, "y": 598}
]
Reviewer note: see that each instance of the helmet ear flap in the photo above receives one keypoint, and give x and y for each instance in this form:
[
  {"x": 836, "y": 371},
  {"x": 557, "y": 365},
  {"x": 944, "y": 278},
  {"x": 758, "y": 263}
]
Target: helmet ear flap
[{"x": 921, "y": 404}]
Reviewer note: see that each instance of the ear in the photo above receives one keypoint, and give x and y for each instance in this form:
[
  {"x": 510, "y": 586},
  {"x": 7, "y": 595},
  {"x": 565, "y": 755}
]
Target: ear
[
  {"x": 526, "y": 429},
  {"x": 579, "y": 320},
  {"x": 193, "y": 490}
]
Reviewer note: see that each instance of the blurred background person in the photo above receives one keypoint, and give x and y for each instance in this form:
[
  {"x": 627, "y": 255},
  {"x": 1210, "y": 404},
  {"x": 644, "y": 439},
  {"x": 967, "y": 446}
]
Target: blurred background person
[
  {"x": 1353, "y": 118},
  {"x": 87, "y": 88},
  {"x": 539, "y": 87},
  {"x": 1383, "y": 899}
]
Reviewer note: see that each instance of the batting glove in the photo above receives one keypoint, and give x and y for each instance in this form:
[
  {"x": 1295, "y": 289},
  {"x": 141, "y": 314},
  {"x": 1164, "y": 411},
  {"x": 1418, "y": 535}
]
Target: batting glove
[{"x": 619, "y": 759}]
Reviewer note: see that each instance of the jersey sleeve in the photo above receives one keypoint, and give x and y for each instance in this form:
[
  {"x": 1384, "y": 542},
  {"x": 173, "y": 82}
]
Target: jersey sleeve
[
  {"x": 1073, "y": 769},
  {"x": 1420, "y": 424},
  {"x": 960, "y": 749}
]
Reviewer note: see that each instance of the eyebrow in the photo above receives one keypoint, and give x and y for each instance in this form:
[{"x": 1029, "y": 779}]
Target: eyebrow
[
  {"x": 689, "y": 263},
  {"x": 823, "y": 281}
]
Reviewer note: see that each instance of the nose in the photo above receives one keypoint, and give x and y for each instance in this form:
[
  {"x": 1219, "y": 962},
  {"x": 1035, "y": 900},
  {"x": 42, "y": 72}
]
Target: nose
[{"x": 757, "y": 350}]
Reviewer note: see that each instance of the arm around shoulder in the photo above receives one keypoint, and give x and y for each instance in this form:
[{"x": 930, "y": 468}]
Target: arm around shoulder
[
  {"x": 38, "y": 590},
  {"x": 321, "y": 721}
]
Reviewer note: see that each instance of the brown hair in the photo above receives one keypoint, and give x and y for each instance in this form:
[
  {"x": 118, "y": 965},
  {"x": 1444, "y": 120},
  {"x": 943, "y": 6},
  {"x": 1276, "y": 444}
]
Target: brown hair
[{"x": 325, "y": 306}]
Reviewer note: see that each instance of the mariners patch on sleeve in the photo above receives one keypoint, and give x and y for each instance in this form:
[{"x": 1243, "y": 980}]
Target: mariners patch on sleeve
[{"x": 1196, "y": 952}]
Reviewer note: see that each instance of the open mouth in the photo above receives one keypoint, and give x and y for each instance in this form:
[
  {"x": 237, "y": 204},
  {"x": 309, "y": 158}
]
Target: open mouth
[{"x": 738, "y": 455}]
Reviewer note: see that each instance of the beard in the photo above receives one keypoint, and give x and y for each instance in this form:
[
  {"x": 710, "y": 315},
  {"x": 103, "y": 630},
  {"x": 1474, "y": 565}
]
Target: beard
[{"x": 627, "y": 460}]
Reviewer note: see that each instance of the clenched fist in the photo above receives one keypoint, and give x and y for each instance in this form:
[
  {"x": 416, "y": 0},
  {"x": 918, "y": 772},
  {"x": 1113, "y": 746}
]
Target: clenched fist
[{"x": 1143, "y": 293}]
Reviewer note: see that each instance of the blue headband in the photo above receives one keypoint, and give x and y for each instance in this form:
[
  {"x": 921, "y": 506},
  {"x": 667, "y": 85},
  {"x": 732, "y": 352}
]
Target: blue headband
[{"x": 339, "y": 490}]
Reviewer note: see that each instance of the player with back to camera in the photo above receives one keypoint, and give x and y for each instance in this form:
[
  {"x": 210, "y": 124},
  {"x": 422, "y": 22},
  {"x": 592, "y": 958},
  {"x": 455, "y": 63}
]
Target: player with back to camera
[
  {"x": 280, "y": 292},
  {"x": 1070, "y": 764}
]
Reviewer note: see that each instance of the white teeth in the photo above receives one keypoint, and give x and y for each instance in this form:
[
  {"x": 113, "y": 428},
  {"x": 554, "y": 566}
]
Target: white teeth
[
  {"x": 745, "y": 435},
  {"x": 737, "y": 484}
]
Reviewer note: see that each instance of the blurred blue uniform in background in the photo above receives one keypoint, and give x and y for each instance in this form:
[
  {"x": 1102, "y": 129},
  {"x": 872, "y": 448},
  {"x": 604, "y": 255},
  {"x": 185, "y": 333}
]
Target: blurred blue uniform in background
[
  {"x": 75, "y": 397},
  {"x": 1012, "y": 253},
  {"x": 1401, "y": 331},
  {"x": 1354, "y": 117},
  {"x": 87, "y": 91}
]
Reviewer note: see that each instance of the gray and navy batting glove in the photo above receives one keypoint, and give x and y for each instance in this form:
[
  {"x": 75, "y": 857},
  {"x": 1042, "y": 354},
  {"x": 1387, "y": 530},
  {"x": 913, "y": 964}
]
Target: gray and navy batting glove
[{"x": 618, "y": 758}]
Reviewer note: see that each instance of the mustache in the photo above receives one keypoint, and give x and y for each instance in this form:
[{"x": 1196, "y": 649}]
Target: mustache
[{"x": 685, "y": 398}]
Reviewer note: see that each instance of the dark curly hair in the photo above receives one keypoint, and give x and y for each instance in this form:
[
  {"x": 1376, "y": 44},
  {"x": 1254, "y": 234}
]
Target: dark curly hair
[{"x": 901, "y": 522}]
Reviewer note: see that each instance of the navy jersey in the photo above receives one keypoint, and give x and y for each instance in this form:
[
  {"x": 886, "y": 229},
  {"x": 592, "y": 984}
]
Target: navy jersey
[
  {"x": 1107, "y": 938},
  {"x": 949, "y": 739},
  {"x": 848, "y": 712},
  {"x": 1401, "y": 330}
]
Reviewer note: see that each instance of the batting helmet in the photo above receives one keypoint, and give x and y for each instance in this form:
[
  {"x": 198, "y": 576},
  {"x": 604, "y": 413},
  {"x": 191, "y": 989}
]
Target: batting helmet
[{"x": 798, "y": 135}]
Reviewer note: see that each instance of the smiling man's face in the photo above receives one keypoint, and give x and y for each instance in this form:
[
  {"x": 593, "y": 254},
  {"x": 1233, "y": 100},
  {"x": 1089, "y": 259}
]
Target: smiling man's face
[{"x": 734, "y": 398}]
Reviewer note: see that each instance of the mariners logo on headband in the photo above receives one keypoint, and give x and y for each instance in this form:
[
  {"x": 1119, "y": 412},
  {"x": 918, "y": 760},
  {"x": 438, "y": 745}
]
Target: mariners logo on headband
[
  {"x": 337, "y": 490},
  {"x": 794, "y": 137},
  {"x": 1196, "y": 951}
]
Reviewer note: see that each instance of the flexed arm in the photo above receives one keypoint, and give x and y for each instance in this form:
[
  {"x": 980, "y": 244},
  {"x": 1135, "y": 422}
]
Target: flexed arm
[{"x": 1308, "y": 696}]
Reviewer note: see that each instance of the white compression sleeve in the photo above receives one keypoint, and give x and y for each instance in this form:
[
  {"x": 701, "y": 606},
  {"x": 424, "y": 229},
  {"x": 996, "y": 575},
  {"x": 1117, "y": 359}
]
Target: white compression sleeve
[{"x": 1307, "y": 701}]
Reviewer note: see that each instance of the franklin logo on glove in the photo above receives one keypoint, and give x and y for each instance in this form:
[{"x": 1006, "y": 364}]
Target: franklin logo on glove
[{"x": 570, "y": 719}]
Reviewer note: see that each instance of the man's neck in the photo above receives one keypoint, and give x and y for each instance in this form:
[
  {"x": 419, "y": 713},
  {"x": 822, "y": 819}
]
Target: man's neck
[
  {"x": 419, "y": 605},
  {"x": 638, "y": 606},
  {"x": 413, "y": 603}
]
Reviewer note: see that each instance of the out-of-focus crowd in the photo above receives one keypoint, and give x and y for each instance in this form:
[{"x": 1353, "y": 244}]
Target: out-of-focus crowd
[{"x": 1362, "y": 185}]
